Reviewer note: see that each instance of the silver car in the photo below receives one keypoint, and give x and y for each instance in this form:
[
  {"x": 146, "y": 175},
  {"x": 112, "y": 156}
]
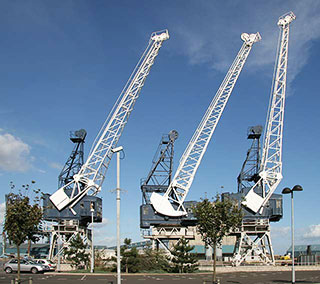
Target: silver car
[
  {"x": 46, "y": 262},
  {"x": 25, "y": 265}
]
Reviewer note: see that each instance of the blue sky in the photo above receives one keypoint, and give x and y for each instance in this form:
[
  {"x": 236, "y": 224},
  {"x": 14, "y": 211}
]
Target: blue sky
[{"x": 64, "y": 63}]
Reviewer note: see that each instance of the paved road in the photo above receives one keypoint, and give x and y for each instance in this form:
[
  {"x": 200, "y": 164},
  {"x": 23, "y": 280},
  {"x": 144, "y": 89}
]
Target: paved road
[{"x": 225, "y": 278}]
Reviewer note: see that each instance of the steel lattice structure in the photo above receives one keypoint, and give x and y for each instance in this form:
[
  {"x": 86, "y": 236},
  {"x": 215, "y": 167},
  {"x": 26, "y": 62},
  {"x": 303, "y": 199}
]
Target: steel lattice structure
[
  {"x": 75, "y": 160},
  {"x": 271, "y": 162},
  {"x": 249, "y": 173},
  {"x": 171, "y": 203},
  {"x": 160, "y": 174},
  {"x": 92, "y": 173}
]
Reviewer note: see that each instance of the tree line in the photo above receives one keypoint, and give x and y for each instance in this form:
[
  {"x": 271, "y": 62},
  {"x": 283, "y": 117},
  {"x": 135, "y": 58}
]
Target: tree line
[
  {"x": 215, "y": 220},
  {"x": 181, "y": 259}
]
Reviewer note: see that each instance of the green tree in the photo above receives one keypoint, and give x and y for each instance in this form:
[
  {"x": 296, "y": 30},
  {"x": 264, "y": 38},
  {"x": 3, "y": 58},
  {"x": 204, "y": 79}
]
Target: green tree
[
  {"x": 216, "y": 220},
  {"x": 99, "y": 262},
  {"x": 130, "y": 258},
  {"x": 77, "y": 253},
  {"x": 154, "y": 260},
  {"x": 183, "y": 260},
  {"x": 22, "y": 218}
]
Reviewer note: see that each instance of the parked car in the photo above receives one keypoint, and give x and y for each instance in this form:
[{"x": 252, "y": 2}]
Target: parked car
[
  {"x": 25, "y": 265},
  {"x": 6, "y": 256},
  {"x": 52, "y": 266}
]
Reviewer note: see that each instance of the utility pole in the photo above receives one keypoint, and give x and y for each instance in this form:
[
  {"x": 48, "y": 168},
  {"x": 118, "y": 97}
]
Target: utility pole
[
  {"x": 287, "y": 190},
  {"x": 58, "y": 243},
  {"x": 118, "y": 150}
]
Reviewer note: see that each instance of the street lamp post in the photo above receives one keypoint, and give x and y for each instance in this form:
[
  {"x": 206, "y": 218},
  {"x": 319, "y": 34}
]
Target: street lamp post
[
  {"x": 92, "y": 246},
  {"x": 287, "y": 190},
  {"x": 118, "y": 150},
  {"x": 58, "y": 244}
]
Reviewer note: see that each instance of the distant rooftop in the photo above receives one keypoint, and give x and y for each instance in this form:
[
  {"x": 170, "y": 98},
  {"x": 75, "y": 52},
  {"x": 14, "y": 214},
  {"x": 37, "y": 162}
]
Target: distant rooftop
[{"x": 303, "y": 248}]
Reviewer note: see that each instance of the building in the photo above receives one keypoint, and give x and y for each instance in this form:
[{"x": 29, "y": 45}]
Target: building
[{"x": 306, "y": 254}]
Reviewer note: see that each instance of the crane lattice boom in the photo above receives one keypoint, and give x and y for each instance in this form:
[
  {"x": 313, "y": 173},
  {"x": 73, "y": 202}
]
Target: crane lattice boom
[
  {"x": 271, "y": 163},
  {"x": 92, "y": 173},
  {"x": 171, "y": 203}
]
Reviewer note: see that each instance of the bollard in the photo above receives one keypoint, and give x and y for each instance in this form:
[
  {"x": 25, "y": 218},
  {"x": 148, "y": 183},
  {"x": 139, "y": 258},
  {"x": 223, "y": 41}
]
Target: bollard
[
  {"x": 12, "y": 281},
  {"x": 30, "y": 280}
]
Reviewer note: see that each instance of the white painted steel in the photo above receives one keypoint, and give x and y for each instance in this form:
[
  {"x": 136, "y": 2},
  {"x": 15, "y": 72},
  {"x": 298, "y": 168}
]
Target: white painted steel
[
  {"x": 171, "y": 203},
  {"x": 271, "y": 162},
  {"x": 93, "y": 171}
]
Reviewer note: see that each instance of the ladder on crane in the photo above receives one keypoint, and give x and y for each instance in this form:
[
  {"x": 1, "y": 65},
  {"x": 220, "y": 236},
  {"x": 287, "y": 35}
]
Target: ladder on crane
[
  {"x": 92, "y": 174},
  {"x": 171, "y": 203}
]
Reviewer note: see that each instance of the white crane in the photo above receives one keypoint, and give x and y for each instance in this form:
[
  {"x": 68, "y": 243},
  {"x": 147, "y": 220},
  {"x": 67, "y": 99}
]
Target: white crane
[
  {"x": 171, "y": 203},
  {"x": 271, "y": 162},
  {"x": 93, "y": 171}
]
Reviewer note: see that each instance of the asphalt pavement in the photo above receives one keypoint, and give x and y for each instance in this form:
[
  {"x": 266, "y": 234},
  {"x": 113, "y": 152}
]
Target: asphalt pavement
[{"x": 274, "y": 277}]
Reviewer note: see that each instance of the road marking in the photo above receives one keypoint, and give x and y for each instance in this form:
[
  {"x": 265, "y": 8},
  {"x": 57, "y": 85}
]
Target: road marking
[{"x": 83, "y": 277}]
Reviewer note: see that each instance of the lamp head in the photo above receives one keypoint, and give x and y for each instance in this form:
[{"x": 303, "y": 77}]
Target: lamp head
[
  {"x": 297, "y": 188},
  {"x": 286, "y": 190},
  {"x": 118, "y": 149}
]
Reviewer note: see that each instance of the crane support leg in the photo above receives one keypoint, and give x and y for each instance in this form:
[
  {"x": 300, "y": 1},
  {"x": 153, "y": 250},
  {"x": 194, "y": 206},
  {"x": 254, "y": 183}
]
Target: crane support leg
[{"x": 253, "y": 243}]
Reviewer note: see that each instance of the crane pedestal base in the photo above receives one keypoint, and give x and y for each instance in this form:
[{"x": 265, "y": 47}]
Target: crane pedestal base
[
  {"x": 253, "y": 243},
  {"x": 161, "y": 236},
  {"x": 65, "y": 231}
]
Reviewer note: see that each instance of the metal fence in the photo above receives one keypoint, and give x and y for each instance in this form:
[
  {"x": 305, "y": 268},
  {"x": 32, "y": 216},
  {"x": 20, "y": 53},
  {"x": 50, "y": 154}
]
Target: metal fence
[{"x": 308, "y": 260}]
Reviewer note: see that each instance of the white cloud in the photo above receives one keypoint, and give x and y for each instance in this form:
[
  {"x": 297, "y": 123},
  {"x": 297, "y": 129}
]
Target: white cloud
[
  {"x": 56, "y": 166},
  {"x": 107, "y": 241},
  {"x": 312, "y": 232},
  {"x": 104, "y": 223},
  {"x": 14, "y": 154},
  {"x": 101, "y": 233},
  {"x": 280, "y": 231},
  {"x": 212, "y": 34}
]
